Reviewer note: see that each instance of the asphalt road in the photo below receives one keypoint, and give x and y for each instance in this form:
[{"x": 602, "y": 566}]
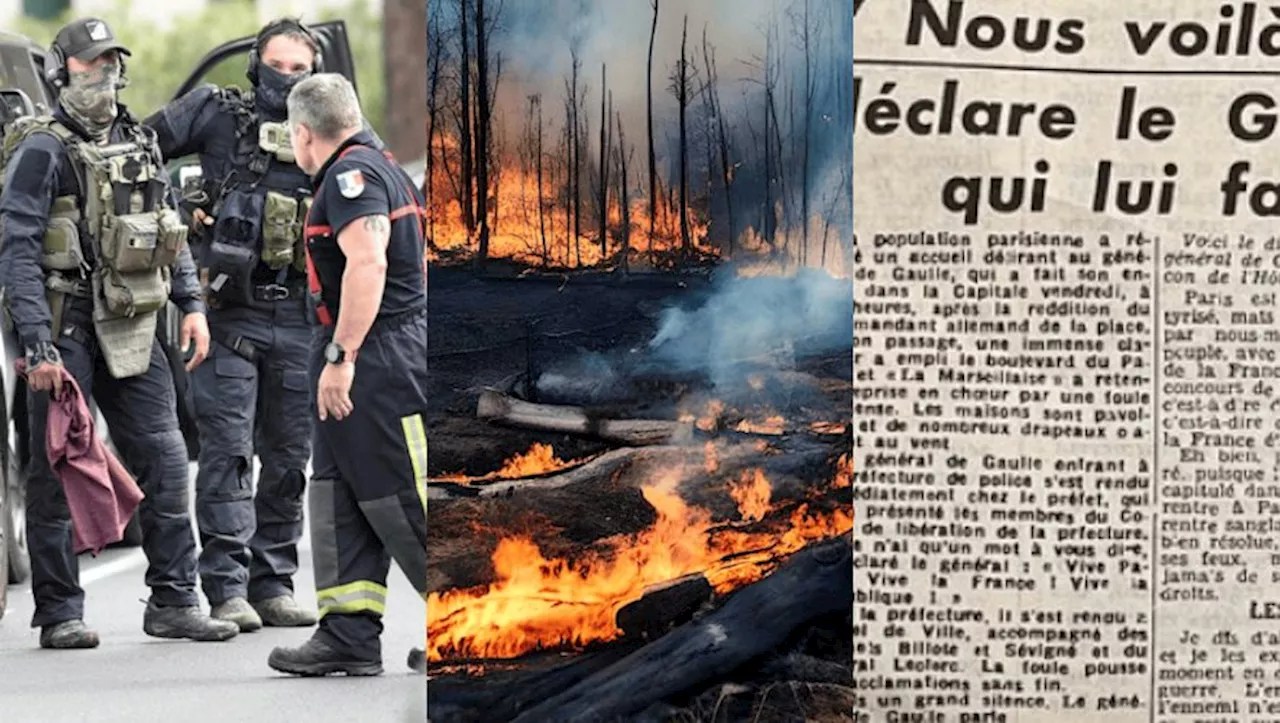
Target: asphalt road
[{"x": 133, "y": 678}]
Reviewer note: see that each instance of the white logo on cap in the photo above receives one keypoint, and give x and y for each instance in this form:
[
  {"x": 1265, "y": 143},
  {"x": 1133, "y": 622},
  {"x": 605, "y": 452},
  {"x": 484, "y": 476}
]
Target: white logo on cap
[{"x": 98, "y": 31}]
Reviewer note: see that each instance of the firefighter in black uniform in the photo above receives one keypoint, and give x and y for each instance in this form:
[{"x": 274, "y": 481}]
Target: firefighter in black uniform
[
  {"x": 366, "y": 262},
  {"x": 254, "y": 395},
  {"x": 90, "y": 253}
]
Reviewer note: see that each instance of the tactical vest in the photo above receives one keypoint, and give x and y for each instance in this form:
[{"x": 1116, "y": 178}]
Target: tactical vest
[
  {"x": 251, "y": 215},
  {"x": 122, "y": 218}
]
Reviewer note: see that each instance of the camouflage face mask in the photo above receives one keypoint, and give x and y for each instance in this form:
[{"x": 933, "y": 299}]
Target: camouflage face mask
[{"x": 90, "y": 98}]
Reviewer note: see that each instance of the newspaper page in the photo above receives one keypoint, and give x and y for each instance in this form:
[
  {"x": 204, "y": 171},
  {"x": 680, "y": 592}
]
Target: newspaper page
[{"x": 1067, "y": 382}]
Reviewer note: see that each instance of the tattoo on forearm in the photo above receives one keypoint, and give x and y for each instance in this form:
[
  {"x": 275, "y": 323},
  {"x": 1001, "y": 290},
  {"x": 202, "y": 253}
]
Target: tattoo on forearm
[{"x": 379, "y": 225}]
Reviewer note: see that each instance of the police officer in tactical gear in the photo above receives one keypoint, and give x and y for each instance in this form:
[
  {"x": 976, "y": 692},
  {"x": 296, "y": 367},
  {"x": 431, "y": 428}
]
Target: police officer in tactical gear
[
  {"x": 90, "y": 252},
  {"x": 366, "y": 274},
  {"x": 254, "y": 395}
]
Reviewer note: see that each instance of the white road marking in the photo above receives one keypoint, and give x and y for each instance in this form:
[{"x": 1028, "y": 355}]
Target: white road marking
[{"x": 130, "y": 561}]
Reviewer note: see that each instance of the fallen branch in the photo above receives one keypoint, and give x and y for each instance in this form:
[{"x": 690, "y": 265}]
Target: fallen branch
[{"x": 501, "y": 408}]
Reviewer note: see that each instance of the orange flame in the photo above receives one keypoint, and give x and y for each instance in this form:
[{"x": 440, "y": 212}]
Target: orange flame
[
  {"x": 540, "y": 459},
  {"x": 536, "y": 603},
  {"x": 752, "y": 494}
]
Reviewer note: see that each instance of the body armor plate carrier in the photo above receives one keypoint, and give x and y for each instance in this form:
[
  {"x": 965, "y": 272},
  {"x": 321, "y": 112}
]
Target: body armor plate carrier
[{"x": 123, "y": 217}]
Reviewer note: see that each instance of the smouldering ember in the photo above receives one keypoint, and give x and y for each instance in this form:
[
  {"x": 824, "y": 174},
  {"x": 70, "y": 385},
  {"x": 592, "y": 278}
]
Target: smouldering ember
[
  {"x": 536, "y": 603},
  {"x": 828, "y": 427},
  {"x": 773, "y": 424},
  {"x": 540, "y": 459}
]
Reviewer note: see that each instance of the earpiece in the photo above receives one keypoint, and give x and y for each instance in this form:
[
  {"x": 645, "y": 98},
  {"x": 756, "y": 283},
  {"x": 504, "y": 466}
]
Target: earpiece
[
  {"x": 55, "y": 70},
  {"x": 255, "y": 58}
]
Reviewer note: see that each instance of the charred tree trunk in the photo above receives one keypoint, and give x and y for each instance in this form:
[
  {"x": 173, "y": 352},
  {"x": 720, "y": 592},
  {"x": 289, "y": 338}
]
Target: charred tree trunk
[
  {"x": 542, "y": 221},
  {"x": 433, "y": 112},
  {"x": 467, "y": 152},
  {"x": 769, "y": 221},
  {"x": 808, "y": 116},
  {"x": 575, "y": 162},
  {"x": 483, "y": 112},
  {"x": 624, "y": 195},
  {"x": 722, "y": 138},
  {"x": 604, "y": 162},
  {"x": 682, "y": 98},
  {"x": 653, "y": 162}
]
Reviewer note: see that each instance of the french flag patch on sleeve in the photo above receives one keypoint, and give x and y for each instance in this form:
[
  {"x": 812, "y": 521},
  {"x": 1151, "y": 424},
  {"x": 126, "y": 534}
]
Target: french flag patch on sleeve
[{"x": 351, "y": 184}]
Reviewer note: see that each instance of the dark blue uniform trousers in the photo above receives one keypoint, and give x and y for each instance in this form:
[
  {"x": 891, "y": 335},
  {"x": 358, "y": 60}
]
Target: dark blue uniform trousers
[
  {"x": 141, "y": 414},
  {"x": 368, "y": 486},
  {"x": 253, "y": 397}
]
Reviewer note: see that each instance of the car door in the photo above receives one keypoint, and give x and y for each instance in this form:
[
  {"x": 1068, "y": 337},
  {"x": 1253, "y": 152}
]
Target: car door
[{"x": 335, "y": 51}]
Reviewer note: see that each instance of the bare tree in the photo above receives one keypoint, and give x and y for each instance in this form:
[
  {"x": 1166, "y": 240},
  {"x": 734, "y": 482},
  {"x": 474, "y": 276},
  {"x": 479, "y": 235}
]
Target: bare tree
[
  {"x": 624, "y": 195},
  {"x": 573, "y": 126},
  {"x": 653, "y": 162},
  {"x": 483, "y": 113},
  {"x": 681, "y": 82},
  {"x": 436, "y": 54},
  {"x": 466, "y": 197},
  {"x": 604, "y": 161},
  {"x": 722, "y": 138},
  {"x": 536, "y": 101}
]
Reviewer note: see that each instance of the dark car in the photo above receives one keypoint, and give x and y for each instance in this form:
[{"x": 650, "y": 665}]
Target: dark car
[{"x": 23, "y": 90}]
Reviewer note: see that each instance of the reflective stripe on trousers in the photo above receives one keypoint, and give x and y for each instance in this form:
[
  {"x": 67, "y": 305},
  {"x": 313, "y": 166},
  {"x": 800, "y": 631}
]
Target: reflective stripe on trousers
[
  {"x": 354, "y": 597},
  {"x": 415, "y": 439}
]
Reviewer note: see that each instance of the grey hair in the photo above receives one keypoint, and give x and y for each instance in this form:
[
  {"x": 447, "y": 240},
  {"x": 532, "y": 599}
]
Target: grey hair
[{"x": 327, "y": 104}]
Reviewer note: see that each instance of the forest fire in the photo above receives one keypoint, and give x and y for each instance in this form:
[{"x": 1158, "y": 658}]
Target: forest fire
[
  {"x": 591, "y": 155},
  {"x": 535, "y": 603}
]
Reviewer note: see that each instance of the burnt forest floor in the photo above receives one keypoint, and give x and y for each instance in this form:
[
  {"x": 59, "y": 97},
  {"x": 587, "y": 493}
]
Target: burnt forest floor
[{"x": 486, "y": 330}]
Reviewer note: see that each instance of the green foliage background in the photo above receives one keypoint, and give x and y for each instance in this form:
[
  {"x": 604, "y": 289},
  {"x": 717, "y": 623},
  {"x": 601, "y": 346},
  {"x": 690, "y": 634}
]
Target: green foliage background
[{"x": 163, "y": 58}]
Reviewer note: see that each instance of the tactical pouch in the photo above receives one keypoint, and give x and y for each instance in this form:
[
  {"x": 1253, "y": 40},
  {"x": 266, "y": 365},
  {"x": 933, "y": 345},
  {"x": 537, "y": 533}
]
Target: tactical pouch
[
  {"x": 280, "y": 229},
  {"x": 300, "y": 244},
  {"x": 172, "y": 237},
  {"x": 274, "y": 138},
  {"x": 125, "y": 341},
  {"x": 230, "y": 269},
  {"x": 131, "y": 243},
  {"x": 62, "y": 250},
  {"x": 129, "y": 294}
]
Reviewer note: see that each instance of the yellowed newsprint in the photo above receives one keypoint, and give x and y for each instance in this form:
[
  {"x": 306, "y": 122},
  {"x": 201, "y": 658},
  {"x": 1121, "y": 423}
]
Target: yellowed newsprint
[{"x": 1067, "y": 229}]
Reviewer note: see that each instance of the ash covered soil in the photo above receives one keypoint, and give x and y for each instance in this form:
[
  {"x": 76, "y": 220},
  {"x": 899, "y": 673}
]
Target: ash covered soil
[{"x": 486, "y": 330}]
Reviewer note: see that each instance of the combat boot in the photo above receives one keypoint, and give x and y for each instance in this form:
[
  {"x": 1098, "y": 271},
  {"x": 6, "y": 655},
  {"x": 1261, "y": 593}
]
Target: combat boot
[
  {"x": 67, "y": 635},
  {"x": 238, "y": 611},
  {"x": 284, "y": 612},
  {"x": 315, "y": 658},
  {"x": 186, "y": 623}
]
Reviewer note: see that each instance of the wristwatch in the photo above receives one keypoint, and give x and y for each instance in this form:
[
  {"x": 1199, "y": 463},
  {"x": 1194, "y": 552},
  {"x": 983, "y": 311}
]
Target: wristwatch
[
  {"x": 41, "y": 352},
  {"x": 335, "y": 354}
]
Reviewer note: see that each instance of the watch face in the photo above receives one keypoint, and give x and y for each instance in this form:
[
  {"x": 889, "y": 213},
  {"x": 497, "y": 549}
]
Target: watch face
[{"x": 333, "y": 353}]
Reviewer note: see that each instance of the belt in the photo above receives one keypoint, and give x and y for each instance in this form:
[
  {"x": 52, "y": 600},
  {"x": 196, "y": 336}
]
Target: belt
[{"x": 278, "y": 292}]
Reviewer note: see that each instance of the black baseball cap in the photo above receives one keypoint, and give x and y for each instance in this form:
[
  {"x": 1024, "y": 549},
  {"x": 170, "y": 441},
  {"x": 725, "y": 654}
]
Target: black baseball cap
[{"x": 87, "y": 38}]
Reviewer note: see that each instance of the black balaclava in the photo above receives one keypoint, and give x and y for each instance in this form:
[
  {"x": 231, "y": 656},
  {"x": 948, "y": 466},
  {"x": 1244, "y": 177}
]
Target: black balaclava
[{"x": 271, "y": 91}]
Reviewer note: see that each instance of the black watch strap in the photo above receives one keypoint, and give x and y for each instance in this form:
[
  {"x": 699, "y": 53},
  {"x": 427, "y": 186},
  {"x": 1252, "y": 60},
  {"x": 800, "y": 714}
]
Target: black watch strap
[{"x": 41, "y": 352}]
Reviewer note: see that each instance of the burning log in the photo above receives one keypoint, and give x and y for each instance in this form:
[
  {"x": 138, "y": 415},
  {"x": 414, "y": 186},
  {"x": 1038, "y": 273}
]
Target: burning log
[
  {"x": 498, "y": 407},
  {"x": 624, "y": 681},
  {"x": 664, "y": 605},
  {"x": 567, "y": 512}
]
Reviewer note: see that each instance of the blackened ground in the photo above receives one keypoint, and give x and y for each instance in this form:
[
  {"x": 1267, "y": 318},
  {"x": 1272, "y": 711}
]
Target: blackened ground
[{"x": 485, "y": 331}]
